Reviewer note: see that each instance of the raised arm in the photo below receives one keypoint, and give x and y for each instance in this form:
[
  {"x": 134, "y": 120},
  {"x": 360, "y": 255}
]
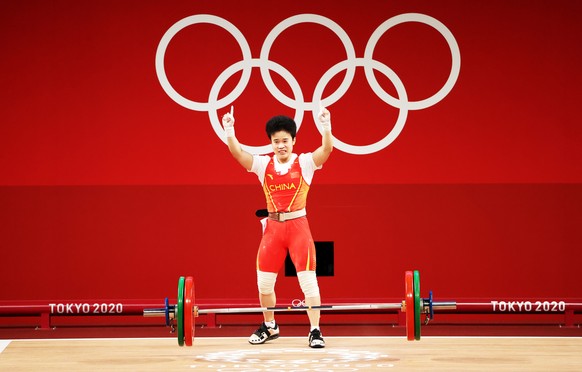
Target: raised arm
[
  {"x": 244, "y": 158},
  {"x": 321, "y": 154}
]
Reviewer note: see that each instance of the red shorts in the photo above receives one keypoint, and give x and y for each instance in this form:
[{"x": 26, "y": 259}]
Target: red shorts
[{"x": 293, "y": 236}]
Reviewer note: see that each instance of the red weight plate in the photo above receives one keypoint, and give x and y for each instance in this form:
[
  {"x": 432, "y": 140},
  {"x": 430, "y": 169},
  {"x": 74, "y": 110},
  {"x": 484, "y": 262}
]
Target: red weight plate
[
  {"x": 188, "y": 313},
  {"x": 409, "y": 301}
]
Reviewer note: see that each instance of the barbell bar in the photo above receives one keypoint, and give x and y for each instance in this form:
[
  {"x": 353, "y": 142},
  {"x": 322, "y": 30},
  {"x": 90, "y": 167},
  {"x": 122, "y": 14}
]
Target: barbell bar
[
  {"x": 46, "y": 311},
  {"x": 182, "y": 316}
]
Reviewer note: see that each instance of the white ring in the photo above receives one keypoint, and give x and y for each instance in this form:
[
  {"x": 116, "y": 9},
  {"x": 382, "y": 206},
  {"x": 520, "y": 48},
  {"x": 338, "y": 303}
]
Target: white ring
[
  {"x": 227, "y": 73},
  {"x": 455, "y": 54},
  {"x": 165, "y": 41},
  {"x": 307, "y": 18},
  {"x": 400, "y": 121}
]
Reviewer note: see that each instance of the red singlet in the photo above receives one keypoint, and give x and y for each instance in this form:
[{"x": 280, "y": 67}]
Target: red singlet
[{"x": 285, "y": 189}]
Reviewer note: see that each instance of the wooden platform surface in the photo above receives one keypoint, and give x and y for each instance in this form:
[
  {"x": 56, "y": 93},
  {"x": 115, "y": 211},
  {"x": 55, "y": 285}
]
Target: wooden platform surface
[{"x": 292, "y": 354}]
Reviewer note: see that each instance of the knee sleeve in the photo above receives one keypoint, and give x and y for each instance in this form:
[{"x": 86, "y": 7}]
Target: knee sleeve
[
  {"x": 308, "y": 283},
  {"x": 266, "y": 282}
]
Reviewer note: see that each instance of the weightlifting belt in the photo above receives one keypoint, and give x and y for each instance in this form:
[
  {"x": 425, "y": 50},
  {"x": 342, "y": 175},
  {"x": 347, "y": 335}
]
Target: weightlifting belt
[{"x": 284, "y": 216}]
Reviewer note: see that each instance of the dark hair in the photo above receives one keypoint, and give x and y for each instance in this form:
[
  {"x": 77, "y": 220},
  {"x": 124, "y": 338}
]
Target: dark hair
[{"x": 281, "y": 123}]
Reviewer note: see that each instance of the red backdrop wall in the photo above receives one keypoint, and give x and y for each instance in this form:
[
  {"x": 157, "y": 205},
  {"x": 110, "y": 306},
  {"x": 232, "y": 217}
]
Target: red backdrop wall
[{"x": 111, "y": 189}]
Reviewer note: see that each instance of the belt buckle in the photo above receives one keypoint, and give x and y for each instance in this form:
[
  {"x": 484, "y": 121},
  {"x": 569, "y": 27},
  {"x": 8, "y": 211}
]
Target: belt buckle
[{"x": 281, "y": 216}]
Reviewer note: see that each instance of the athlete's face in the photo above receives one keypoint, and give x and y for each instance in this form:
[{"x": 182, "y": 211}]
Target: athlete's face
[{"x": 282, "y": 144}]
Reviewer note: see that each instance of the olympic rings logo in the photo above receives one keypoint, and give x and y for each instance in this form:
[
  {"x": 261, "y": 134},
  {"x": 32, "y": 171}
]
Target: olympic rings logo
[
  {"x": 298, "y": 303},
  {"x": 298, "y": 102}
]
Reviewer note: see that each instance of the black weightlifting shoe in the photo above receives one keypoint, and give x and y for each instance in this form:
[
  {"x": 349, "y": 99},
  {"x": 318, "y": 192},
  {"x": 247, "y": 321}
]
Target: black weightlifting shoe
[
  {"x": 315, "y": 339},
  {"x": 264, "y": 334}
]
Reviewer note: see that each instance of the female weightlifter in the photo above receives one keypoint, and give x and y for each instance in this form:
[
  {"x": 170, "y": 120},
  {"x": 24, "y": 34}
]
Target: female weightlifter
[{"x": 286, "y": 178}]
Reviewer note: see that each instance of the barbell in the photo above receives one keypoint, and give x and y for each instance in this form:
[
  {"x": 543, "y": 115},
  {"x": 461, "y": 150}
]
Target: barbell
[{"x": 181, "y": 317}]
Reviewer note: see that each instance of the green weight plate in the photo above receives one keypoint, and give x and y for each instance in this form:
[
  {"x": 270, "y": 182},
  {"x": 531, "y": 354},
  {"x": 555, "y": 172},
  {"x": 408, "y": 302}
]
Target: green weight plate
[
  {"x": 417, "y": 305},
  {"x": 180, "y": 311}
]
